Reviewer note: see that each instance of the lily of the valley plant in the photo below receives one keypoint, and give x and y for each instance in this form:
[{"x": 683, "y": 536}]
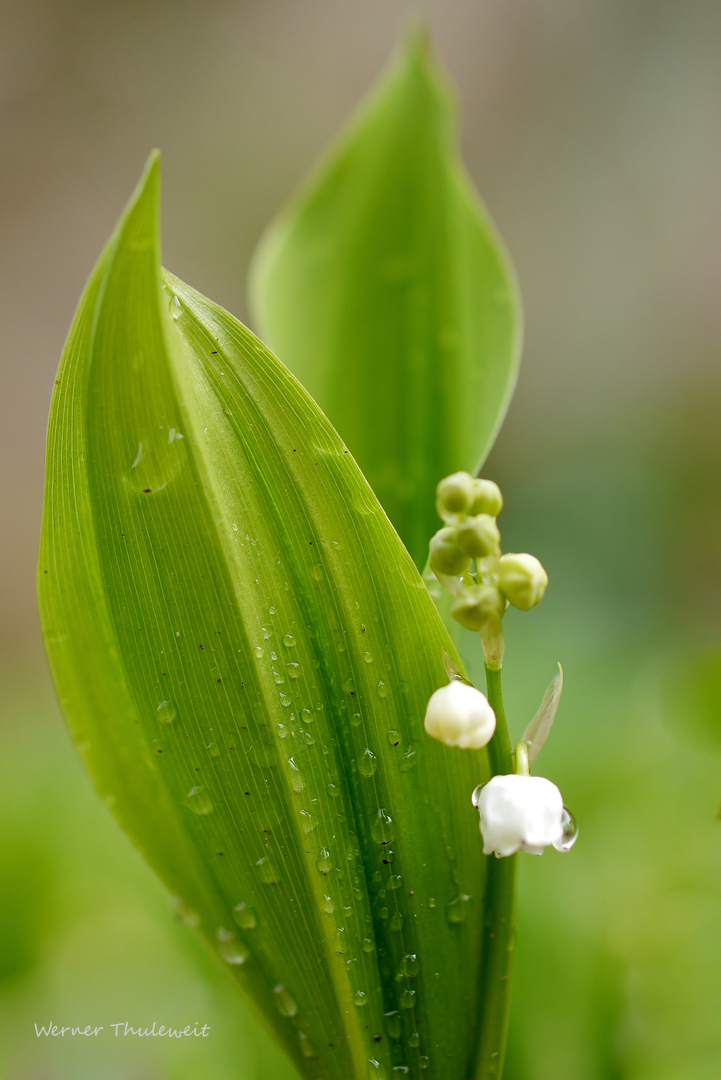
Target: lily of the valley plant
[{"x": 242, "y": 643}]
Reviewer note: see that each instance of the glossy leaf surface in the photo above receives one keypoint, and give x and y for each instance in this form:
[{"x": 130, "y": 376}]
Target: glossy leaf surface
[
  {"x": 386, "y": 290},
  {"x": 243, "y": 649}
]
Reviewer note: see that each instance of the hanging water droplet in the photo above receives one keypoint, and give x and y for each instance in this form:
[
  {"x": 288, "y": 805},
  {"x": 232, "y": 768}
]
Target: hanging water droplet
[
  {"x": 457, "y": 909},
  {"x": 367, "y": 762},
  {"x": 381, "y": 689},
  {"x": 307, "y": 821},
  {"x": 394, "y": 738},
  {"x": 244, "y": 915},
  {"x": 266, "y": 871},
  {"x": 199, "y": 801},
  {"x": 306, "y": 716},
  {"x": 382, "y": 828},
  {"x": 213, "y": 750},
  {"x": 409, "y": 759},
  {"x": 288, "y": 640},
  {"x": 570, "y": 831},
  {"x": 306, "y": 1046},
  {"x": 285, "y": 700},
  {"x": 259, "y": 651},
  {"x": 324, "y": 863},
  {"x": 396, "y": 881},
  {"x": 293, "y": 670},
  {"x": 414, "y": 1040},
  {"x": 233, "y": 952},
  {"x": 368, "y": 658},
  {"x": 476, "y": 795},
  {"x": 296, "y": 780},
  {"x": 396, "y": 922},
  {"x": 407, "y": 999},
  {"x": 284, "y": 1003},
  {"x": 368, "y": 945},
  {"x": 356, "y": 719},
  {"x": 393, "y": 1024},
  {"x": 410, "y": 965},
  {"x": 271, "y": 611},
  {"x": 184, "y": 913},
  {"x": 360, "y": 999},
  {"x": 175, "y": 307},
  {"x": 166, "y": 712},
  {"x": 155, "y": 465}
]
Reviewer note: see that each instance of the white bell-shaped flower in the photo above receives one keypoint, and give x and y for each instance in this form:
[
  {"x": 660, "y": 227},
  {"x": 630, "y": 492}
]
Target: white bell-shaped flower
[
  {"x": 459, "y": 715},
  {"x": 523, "y": 813}
]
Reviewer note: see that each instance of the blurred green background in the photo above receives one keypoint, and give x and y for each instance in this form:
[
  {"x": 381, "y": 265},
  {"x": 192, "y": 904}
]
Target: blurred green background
[{"x": 593, "y": 129}]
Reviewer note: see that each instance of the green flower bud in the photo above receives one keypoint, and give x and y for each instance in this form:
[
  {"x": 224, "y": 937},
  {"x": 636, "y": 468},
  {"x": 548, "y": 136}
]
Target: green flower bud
[
  {"x": 478, "y": 536},
  {"x": 445, "y": 555},
  {"x": 487, "y": 498},
  {"x": 453, "y": 496},
  {"x": 477, "y": 605},
  {"x": 522, "y": 580}
]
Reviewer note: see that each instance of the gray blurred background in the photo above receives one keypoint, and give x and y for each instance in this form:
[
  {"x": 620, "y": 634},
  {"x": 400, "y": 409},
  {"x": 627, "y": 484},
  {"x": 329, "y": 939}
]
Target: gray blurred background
[{"x": 593, "y": 130}]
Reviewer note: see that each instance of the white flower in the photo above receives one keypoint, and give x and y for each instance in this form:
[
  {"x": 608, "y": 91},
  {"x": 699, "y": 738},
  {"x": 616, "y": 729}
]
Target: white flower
[
  {"x": 523, "y": 813},
  {"x": 459, "y": 715}
]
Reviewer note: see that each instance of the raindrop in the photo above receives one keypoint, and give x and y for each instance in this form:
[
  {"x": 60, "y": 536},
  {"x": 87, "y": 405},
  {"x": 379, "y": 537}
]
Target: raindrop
[
  {"x": 267, "y": 872},
  {"x": 410, "y": 965},
  {"x": 324, "y": 863},
  {"x": 382, "y": 828},
  {"x": 394, "y": 738},
  {"x": 288, "y": 640},
  {"x": 259, "y": 651},
  {"x": 457, "y": 909},
  {"x": 570, "y": 831},
  {"x": 375, "y": 1070},
  {"x": 407, "y": 999},
  {"x": 293, "y": 670},
  {"x": 274, "y": 656},
  {"x": 284, "y": 1003},
  {"x": 360, "y": 999},
  {"x": 306, "y": 1046},
  {"x": 318, "y": 706},
  {"x": 368, "y": 658},
  {"x": 424, "y": 1061},
  {"x": 296, "y": 780},
  {"x": 317, "y": 572},
  {"x": 306, "y": 820},
  {"x": 432, "y": 901},
  {"x": 327, "y": 905},
  {"x": 266, "y": 631},
  {"x": 285, "y": 700},
  {"x": 306, "y": 716},
  {"x": 356, "y": 719},
  {"x": 476, "y": 796},
  {"x": 271, "y": 611},
  {"x": 409, "y": 759},
  {"x": 199, "y": 801},
  {"x": 349, "y": 686},
  {"x": 381, "y": 689},
  {"x": 166, "y": 712},
  {"x": 278, "y": 679},
  {"x": 213, "y": 750},
  {"x": 396, "y": 881},
  {"x": 367, "y": 762},
  {"x": 414, "y": 1040},
  {"x": 393, "y": 1024},
  {"x": 341, "y": 646},
  {"x": 396, "y": 922},
  {"x": 233, "y": 952},
  {"x": 175, "y": 308},
  {"x": 386, "y": 856},
  {"x": 368, "y": 945},
  {"x": 244, "y": 915},
  {"x": 308, "y": 739},
  {"x": 333, "y": 790},
  {"x": 282, "y": 730},
  {"x": 184, "y": 913}
]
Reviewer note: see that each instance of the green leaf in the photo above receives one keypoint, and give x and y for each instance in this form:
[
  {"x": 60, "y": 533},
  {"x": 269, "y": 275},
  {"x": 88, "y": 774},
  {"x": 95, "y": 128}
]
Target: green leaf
[
  {"x": 243, "y": 650},
  {"x": 386, "y": 289}
]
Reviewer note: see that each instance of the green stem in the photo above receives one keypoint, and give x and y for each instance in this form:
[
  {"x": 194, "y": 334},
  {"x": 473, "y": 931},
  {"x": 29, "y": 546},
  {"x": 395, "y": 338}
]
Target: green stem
[{"x": 500, "y": 910}]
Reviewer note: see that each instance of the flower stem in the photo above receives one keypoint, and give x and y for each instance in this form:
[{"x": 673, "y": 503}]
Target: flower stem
[{"x": 500, "y": 910}]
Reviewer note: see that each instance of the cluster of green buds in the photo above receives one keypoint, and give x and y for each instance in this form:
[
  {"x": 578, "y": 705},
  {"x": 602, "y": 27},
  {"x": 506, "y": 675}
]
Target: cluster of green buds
[{"x": 466, "y": 557}]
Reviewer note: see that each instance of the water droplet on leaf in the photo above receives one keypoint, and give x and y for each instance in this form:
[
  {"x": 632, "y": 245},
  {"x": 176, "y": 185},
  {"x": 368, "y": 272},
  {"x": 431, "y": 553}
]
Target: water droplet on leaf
[
  {"x": 410, "y": 965},
  {"x": 382, "y": 689},
  {"x": 245, "y": 916},
  {"x": 367, "y": 762},
  {"x": 266, "y": 871},
  {"x": 284, "y": 1003},
  {"x": 457, "y": 909},
  {"x": 394, "y": 738},
  {"x": 393, "y": 1024},
  {"x": 407, "y": 999},
  {"x": 396, "y": 922},
  {"x": 166, "y": 712},
  {"x": 382, "y": 828},
  {"x": 288, "y": 640},
  {"x": 199, "y": 801}
]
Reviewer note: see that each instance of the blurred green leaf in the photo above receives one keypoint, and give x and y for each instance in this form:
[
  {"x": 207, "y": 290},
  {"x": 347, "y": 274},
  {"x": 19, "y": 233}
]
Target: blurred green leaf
[
  {"x": 386, "y": 289},
  {"x": 243, "y": 650}
]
